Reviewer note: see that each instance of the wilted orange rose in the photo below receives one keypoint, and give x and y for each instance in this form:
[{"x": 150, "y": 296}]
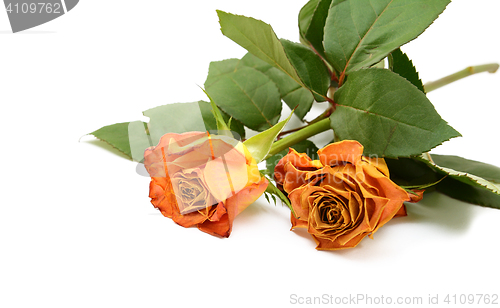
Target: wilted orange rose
[
  {"x": 342, "y": 197},
  {"x": 203, "y": 180}
]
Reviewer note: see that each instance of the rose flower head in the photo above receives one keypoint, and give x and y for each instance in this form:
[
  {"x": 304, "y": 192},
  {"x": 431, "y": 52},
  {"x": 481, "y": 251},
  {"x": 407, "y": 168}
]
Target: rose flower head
[
  {"x": 203, "y": 180},
  {"x": 342, "y": 197}
]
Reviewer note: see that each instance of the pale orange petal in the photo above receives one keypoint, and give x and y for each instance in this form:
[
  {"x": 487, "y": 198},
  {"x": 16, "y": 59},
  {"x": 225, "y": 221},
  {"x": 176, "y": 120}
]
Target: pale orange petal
[{"x": 226, "y": 175}]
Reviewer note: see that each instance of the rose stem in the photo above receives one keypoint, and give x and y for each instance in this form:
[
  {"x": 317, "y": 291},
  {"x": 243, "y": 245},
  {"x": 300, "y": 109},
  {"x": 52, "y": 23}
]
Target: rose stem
[
  {"x": 433, "y": 85},
  {"x": 298, "y": 136}
]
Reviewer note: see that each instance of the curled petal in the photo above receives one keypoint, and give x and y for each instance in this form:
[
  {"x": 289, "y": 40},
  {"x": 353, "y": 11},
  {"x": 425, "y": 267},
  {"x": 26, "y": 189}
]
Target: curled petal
[
  {"x": 220, "y": 228},
  {"x": 340, "y": 152},
  {"x": 417, "y": 196},
  {"x": 299, "y": 160},
  {"x": 295, "y": 177}
]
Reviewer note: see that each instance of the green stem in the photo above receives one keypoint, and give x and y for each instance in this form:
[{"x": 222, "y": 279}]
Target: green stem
[
  {"x": 298, "y": 136},
  {"x": 471, "y": 70}
]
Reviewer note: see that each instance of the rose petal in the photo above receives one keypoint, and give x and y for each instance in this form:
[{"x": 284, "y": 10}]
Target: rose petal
[
  {"x": 295, "y": 178},
  {"x": 239, "y": 202},
  {"x": 379, "y": 163},
  {"x": 217, "y": 228},
  {"x": 297, "y": 223},
  {"x": 299, "y": 203},
  {"x": 192, "y": 178},
  {"x": 387, "y": 189},
  {"x": 156, "y": 157},
  {"x": 299, "y": 160},
  {"x": 419, "y": 195},
  {"x": 326, "y": 244},
  {"x": 226, "y": 175},
  {"x": 341, "y": 152},
  {"x": 401, "y": 212},
  {"x": 191, "y": 219},
  {"x": 219, "y": 212},
  {"x": 234, "y": 205}
]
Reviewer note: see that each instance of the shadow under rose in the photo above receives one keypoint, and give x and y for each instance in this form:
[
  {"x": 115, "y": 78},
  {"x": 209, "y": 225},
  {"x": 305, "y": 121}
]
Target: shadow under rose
[{"x": 262, "y": 208}]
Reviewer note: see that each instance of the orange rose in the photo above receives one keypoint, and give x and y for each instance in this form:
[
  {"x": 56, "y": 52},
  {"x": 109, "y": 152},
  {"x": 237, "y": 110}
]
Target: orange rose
[
  {"x": 203, "y": 180},
  {"x": 342, "y": 197}
]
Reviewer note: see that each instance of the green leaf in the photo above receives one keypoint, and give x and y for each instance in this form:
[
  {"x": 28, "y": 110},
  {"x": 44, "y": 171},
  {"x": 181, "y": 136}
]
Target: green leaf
[
  {"x": 361, "y": 33},
  {"x": 411, "y": 172},
  {"x": 222, "y": 126},
  {"x": 467, "y": 186},
  {"x": 400, "y": 64},
  {"x": 311, "y": 69},
  {"x": 292, "y": 93},
  {"x": 117, "y": 135},
  {"x": 388, "y": 115},
  {"x": 469, "y": 193},
  {"x": 260, "y": 144},
  {"x": 305, "y": 16},
  {"x": 211, "y": 124},
  {"x": 219, "y": 69},
  {"x": 287, "y": 87},
  {"x": 267, "y": 197},
  {"x": 312, "y": 19},
  {"x": 468, "y": 178},
  {"x": 258, "y": 38},
  {"x": 274, "y": 191},
  {"x": 305, "y": 146},
  {"x": 247, "y": 95},
  {"x": 486, "y": 171},
  {"x": 465, "y": 180},
  {"x": 174, "y": 118}
]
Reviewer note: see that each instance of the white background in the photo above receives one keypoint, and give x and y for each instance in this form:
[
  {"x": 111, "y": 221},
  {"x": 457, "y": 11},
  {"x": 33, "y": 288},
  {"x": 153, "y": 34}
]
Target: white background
[{"x": 76, "y": 225}]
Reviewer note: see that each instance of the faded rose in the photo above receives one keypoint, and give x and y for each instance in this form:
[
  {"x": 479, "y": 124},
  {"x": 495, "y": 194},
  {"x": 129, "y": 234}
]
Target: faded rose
[
  {"x": 203, "y": 180},
  {"x": 342, "y": 197}
]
